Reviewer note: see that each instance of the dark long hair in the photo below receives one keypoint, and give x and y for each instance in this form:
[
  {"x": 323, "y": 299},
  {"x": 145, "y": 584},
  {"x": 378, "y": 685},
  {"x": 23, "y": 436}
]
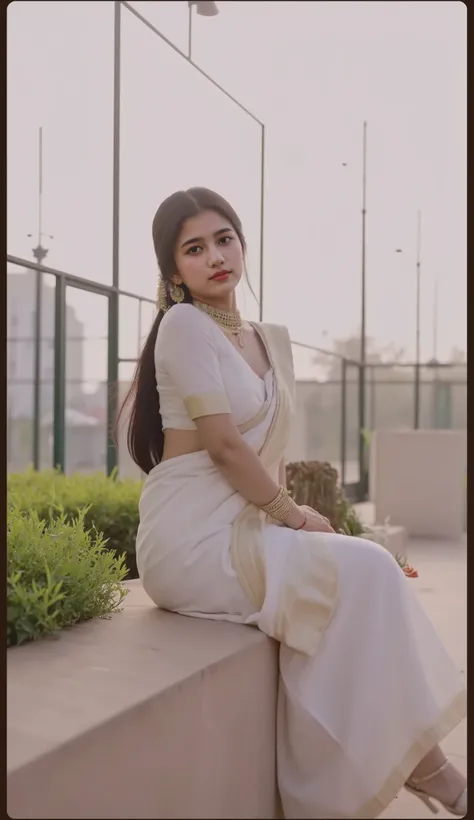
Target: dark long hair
[{"x": 145, "y": 431}]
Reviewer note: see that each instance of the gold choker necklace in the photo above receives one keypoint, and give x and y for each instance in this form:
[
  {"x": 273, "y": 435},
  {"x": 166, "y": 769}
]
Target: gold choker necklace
[{"x": 228, "y": 321}]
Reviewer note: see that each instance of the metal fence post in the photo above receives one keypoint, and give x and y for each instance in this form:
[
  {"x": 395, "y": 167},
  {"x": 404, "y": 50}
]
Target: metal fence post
[
  {"x": 112, "y": 382},
  {"x": 417, "y": 397},
  {"x": 59, "y": 427},
  {"x": 37, "y": 371},
  {"x": 372, "y": 397},
  {"x": 113, "y": 324},
  {"x": 262, "y": 221},
  {"x": 343, "y": 420}
]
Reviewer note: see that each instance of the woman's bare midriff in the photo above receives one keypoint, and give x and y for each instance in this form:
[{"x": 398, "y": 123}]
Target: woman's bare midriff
[{"x": 180, "y": 443}]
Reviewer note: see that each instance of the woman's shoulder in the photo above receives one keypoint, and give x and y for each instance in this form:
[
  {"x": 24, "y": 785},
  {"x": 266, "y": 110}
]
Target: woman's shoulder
[
  {"x": 183, "y": 315},
  {"x": 185, "y": 325},
  {"x": 179, "y": 313}
]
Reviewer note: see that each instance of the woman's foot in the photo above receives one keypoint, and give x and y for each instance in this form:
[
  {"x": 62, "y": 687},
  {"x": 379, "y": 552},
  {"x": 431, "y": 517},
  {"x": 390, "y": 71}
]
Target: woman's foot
[{"x": 446, "y": 784}]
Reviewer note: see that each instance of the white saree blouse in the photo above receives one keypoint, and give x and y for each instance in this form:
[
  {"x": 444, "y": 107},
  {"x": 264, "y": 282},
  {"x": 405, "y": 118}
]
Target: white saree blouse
[{"x": 200, "y": 373}]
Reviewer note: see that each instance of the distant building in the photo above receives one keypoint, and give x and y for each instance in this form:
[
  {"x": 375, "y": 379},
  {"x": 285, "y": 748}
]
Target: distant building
[{"x": 21, "y": 307}]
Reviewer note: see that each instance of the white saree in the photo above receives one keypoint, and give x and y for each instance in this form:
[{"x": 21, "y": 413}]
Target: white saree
[{"x": 366, "y": 687}]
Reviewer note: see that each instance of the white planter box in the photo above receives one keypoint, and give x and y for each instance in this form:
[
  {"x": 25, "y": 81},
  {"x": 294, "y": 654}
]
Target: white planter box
[{"x": 418, "y": 479}]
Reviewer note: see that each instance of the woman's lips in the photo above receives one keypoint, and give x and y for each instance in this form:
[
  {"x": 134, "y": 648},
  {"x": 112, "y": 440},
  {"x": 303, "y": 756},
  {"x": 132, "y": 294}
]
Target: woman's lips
[{"x": 220, "y": 275}]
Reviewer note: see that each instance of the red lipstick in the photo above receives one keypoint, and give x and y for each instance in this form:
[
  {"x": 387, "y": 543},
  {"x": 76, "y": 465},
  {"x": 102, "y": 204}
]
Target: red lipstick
[{"x": 220, "y": 275}]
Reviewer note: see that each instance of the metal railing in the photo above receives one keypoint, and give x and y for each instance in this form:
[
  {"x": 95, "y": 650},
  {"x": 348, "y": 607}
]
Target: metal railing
[
  {"x": 328, "y": 411},
  {"x": 22, "y": 354},
  {"x": 72, "y": 429}
]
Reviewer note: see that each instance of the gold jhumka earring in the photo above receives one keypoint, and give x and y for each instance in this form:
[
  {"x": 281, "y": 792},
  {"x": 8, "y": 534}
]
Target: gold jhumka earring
[{"x": 175, "y": 293}]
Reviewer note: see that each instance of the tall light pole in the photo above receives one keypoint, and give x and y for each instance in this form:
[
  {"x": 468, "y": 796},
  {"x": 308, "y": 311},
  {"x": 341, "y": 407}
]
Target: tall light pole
[
  {"x": 418, "y": 300},
  {"x": 39, "y": 253},
  {"x": 435, "y": 321},
  {"x": 205, "y": 8},
  {"x": 363, "y": 484},
  {"x": 418, "y": 320},
  {"x": 362, "y": 367}
]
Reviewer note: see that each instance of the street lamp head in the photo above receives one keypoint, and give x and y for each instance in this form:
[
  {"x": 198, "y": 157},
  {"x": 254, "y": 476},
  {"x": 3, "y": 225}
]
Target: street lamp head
[
  {"x": 40, "y": 253},
  {"x": 205, "y": 8}
]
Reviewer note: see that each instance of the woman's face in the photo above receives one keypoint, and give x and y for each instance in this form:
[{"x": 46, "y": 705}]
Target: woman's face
[{"x": 209, "y": 258}]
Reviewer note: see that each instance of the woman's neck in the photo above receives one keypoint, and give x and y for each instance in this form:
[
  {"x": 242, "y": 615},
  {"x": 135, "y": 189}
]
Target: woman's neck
[{"x": 227, "y": 303}]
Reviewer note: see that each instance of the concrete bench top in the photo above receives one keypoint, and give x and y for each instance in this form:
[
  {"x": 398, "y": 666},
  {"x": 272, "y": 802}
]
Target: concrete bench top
[{"x": 61, "y": 687}]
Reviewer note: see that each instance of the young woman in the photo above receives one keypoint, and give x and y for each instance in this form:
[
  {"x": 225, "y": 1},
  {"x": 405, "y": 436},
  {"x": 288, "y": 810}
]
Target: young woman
[{"x": 367, "y": 690}]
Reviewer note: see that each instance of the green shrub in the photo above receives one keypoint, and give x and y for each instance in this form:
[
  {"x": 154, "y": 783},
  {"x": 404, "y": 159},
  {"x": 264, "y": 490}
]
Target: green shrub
[
  {"x": 349, "y": 521},
  {"x": 110, "y": 505},
  {"x": 58, "y": 574}
]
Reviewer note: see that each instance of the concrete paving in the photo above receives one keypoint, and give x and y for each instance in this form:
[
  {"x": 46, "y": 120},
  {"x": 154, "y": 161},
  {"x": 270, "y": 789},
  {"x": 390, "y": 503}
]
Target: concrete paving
[{"x": 442, "y": 589}]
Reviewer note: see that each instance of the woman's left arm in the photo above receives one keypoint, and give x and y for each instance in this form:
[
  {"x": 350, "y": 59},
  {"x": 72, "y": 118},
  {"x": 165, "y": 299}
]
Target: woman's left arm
[{"x": 282, "y": 473}]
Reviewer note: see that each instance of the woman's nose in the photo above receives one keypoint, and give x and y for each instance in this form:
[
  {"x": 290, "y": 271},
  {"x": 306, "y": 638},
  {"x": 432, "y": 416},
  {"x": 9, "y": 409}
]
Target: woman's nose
[{"x": 216, "y": 257}]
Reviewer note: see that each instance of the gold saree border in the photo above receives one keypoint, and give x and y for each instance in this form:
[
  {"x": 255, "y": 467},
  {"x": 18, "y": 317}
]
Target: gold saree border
[
  {"x": 309, "y": 593},
  {"x": 246, "y": 426},
  {"x": 308, "y": 599},
  {"x": 245, "y": 545},
  {"x": 451, "y": 716},
  {"x": 206, "y": 404}
]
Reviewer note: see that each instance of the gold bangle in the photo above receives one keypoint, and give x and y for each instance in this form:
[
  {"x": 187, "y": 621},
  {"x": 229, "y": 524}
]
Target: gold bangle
[{"x": 280, "y": 508}]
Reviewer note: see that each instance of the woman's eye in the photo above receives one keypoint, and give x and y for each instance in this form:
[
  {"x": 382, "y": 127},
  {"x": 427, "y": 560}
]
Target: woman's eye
[
  {"x": 225, "y": 239},
  {"x": 195, "y": 249}
]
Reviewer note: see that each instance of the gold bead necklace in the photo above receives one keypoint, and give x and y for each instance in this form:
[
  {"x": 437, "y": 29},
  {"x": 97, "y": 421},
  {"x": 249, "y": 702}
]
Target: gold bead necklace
[{"x": 229, "y": 321}]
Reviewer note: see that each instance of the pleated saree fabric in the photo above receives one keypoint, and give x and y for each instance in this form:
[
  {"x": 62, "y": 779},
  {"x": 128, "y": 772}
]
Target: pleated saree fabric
[{"x": 366, "y": 686}]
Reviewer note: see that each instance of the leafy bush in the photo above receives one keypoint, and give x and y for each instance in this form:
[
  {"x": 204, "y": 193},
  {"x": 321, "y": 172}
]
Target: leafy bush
[
  {"x": 58, "y": 574},
  {"x": 109, "y": 505},
  {"x": 349, "y": 521}
]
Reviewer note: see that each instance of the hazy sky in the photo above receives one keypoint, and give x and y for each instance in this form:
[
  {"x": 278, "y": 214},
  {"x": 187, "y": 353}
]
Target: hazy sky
[{"x": 312, "y": 72}]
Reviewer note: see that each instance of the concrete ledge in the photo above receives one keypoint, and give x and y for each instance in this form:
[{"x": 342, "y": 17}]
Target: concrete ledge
[{"x": 145, "y": 715}]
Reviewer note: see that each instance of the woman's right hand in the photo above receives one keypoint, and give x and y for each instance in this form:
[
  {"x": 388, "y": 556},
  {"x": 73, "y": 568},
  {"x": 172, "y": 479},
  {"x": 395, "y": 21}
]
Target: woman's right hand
[
  {"x": 315, "y": 522},
  {"x": 305, "y": 518}
]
